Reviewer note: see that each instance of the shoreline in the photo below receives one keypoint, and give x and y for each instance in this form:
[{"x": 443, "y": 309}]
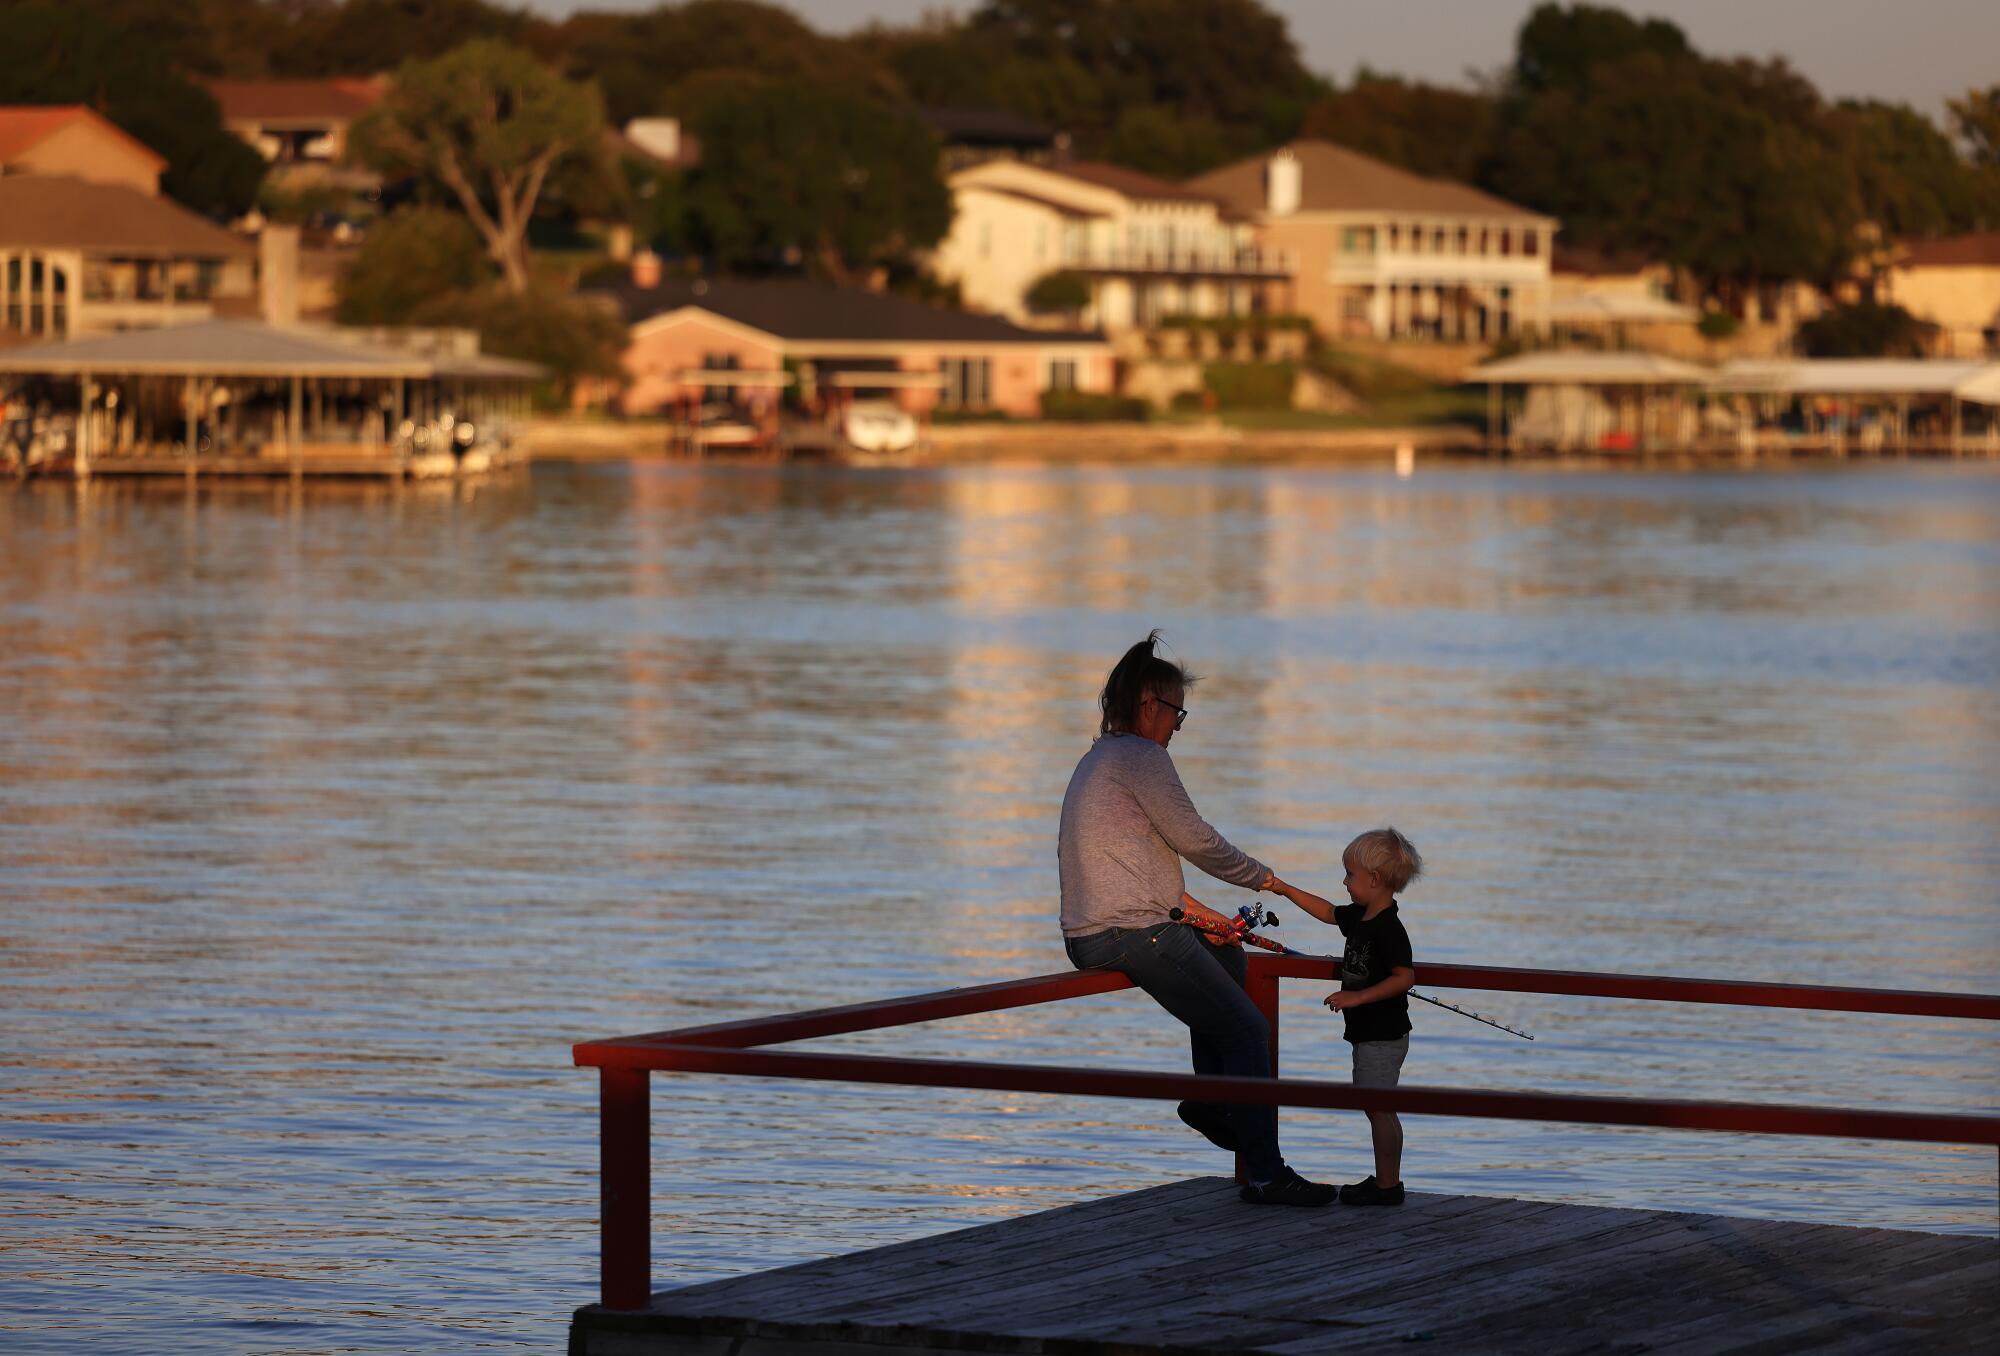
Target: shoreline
[{"x": 1068, "y": 444}]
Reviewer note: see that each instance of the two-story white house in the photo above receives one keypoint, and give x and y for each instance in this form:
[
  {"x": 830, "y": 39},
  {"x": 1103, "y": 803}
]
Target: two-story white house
[
  {"x": 1146, "y": 248},
  {"x": 1383, "y": 253}
]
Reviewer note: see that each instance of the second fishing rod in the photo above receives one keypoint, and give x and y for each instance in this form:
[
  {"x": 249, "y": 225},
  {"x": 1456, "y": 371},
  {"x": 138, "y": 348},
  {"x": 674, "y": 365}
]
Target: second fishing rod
[{"x": 1256, "y": 915}]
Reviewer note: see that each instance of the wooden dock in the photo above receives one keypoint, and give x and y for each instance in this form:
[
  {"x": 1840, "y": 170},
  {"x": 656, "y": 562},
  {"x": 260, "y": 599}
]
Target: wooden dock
[{"x": 1187, "y": 1268}]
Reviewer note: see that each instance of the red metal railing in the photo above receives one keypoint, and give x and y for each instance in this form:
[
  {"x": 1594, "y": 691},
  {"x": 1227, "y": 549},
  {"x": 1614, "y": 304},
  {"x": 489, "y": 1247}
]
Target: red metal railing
[{"x": 736, "y": 1048}]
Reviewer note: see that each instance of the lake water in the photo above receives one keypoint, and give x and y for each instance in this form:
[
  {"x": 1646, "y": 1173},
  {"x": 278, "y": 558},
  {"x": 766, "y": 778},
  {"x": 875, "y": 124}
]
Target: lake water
[{"x": 327, "y": 825}]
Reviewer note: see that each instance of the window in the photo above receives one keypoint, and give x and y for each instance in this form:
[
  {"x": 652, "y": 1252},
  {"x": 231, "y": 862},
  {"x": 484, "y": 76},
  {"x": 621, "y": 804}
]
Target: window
[
  {"x": 1354, "y": 306},
  {"x": 1437, "y": 240},
  {"x": 1485, "y": 241},
  {"x": 1531, "y": 243},
  {"x": 1357, "y": 240},
  {"x": 1395, "y": 237},
  {"x": 1062, "y": 374},
  {"x": 968, "y": 383},
  {"x": 1464, "y": 239},
  {"x": 1506, "y": 242}
]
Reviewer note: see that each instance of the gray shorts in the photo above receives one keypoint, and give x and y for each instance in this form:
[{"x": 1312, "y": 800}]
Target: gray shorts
[{"x": 1378, "y": 1064}]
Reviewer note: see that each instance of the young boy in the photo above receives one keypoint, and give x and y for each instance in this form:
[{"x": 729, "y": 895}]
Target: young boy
[{"x": 1376, "y": 972}]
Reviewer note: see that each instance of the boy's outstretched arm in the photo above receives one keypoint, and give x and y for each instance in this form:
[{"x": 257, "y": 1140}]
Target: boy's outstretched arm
[
  {"x": 1401, "y": 980},
  {"x": 1305, "y": 899}
]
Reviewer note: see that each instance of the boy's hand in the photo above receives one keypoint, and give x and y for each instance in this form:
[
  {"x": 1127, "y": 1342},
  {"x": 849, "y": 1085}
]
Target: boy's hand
[{"x": 1342, "y": 999}]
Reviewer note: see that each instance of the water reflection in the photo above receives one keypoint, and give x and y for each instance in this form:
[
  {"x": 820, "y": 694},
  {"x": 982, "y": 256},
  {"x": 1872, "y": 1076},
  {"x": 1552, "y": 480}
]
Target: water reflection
[{"x": 328, "y": 819}]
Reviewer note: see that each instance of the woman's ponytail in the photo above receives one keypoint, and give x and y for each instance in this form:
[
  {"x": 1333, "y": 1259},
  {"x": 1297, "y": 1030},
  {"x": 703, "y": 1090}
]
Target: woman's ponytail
[{"x": 1139, "y": 673}]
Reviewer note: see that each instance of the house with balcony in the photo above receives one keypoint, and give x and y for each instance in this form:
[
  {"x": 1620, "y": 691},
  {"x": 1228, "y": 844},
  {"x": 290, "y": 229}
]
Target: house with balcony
[
  {"x": 77, "y": 142},
  {"x": 1386, "y": 254},
  {"x": 300, "y": 126},
  {"x": 1146, "y": 249},
  {"x": 79, "y": 258}
]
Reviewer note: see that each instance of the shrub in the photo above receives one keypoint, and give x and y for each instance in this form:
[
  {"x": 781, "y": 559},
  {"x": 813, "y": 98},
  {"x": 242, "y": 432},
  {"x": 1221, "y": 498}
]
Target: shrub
[
  {"x": 1058, "y": 293},
  {"x": 1865, "y": 330},
  {"x": 1716, "y": 325},
  {"x": 408, "y": 261},
  {"x": 1089, "y": 407},
  {"x": 1250, "y": 386},
  {"x": 569, "y": 337}
]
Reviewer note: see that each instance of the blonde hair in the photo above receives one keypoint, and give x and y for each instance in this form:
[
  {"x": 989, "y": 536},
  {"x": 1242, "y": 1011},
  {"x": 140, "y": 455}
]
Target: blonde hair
[{"x": 1389, "y": 855}]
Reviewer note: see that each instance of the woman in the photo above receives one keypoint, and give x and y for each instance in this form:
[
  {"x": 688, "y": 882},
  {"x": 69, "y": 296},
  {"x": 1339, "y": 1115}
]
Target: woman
[{"x": 1126, "y": 824}]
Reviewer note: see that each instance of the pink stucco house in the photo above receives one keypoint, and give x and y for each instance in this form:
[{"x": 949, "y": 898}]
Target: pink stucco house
[{"x": 755, "y": 338}]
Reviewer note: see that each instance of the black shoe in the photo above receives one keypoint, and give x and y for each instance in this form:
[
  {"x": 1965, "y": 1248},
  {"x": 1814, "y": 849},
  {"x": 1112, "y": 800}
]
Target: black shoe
[
  {"x": 1211, "y": 1122},
  {"x": 1366, "y": 1192},
  {"x": 1291, "y": 1189}
]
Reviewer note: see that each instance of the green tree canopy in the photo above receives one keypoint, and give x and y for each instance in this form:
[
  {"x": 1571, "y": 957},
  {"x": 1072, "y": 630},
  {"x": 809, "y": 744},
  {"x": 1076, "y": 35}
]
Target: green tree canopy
[
  {"x": 806, "y": 173},
  {"x": 570, "y": 337},
  {"x": 408, "y": 260},
  {"x": 489, "y": 123},
  {"x": 1560, "y": 47},
  {"x": 1977, "y": 119},
  {"x": 1089, "y": 66},
  {"x": 1865, "y": 330},
  {"x": 66, "y": 55},
  {"x": 1428, "y": 129},
  {"x": 659, "y": 60},
  {"x": 1911, "y": 178}
]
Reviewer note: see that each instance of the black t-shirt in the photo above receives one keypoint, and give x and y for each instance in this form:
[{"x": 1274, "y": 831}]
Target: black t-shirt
[{"x": 1375, "y": 946}]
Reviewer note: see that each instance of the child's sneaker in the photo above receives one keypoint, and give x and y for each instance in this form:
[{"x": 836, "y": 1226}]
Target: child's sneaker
[
  {"x": 1211, "y": 1122},
  {"x": 1291, "y": 1189},
  {"x": 1366, "y": 1192}
]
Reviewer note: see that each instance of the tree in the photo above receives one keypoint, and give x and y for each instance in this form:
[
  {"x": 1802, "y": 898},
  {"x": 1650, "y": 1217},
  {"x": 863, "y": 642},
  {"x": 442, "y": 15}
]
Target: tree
[
  {"x": 1427, "y": 129},
  {"x": 804, "y": 172},
  {"x": 1560, "y": 48},
  {"x": 644, "y": 62},
  {"x": 408, "y": 260},
  {"x": 490, "y": 123},
  {"x": 1912, "y": 180},
  {"x": 1866, "y": 330},
  {"x": 1058, "y": 293},
  {"x": 63, "y": 55},
  {"x": 571, "y": 338},
  {"x": 1732, "y": 170},
  {"x": 1977, "y": 119},
  {"x": 353, "y": 37}
]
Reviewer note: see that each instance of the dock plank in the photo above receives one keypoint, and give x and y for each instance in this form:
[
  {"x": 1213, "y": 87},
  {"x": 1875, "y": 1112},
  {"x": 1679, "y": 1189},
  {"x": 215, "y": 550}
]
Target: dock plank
[{"x": 1187, "y": 1268}]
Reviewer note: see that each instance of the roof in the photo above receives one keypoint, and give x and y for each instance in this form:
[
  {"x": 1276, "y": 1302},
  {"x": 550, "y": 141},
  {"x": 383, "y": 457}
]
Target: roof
[
  {"x": 987, "y": 127},
  {"x": 241, "y": 348},
  {"x": 1130, "y": 182},
  {"x": 793, "y": 308},
  {"x": 1336, "y": 179},
  {"x": 1597, "y": 262},
  {"x": 25, "y": 126},
  {"x": 340, "y": 99},
  {"x": 1068, "y": 209},
  {"x": 1614, "y": 308},
  {"x": 1564, "y": 367},
  {"x": 1981, "y": 249},
  {"x": 1851, "y": 376},
  {"x": 47, "y": 211},
  {"x": 1982, "y": 387}
]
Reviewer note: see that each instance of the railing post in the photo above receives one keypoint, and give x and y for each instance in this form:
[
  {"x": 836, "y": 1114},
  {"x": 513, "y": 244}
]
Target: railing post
[
  {"x": 626, "y": 1181},
  {"x": 1261, "y": 983}
]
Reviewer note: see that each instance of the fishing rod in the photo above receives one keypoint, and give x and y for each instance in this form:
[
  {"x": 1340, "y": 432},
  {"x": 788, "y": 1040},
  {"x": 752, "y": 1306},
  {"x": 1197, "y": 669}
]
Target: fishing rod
[{"x": 1256, "y": 915}]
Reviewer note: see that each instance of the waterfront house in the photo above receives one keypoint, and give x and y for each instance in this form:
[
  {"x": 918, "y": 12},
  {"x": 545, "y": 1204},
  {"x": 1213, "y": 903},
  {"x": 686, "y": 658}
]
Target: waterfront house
[
  {"x": 1146, "y": 249},
  {"x": 1954, "y": 283},
  {"x": 78, "y": 143},
  {"x": 300, "y": 126},
  {"x": 79, "y": 258},
  {"x": 1386, "y": 254},
  {"x": 748, "y": 340}
]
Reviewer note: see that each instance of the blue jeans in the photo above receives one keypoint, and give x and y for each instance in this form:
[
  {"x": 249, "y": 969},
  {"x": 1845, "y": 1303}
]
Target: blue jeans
[{"x": 1203, "y": 986}]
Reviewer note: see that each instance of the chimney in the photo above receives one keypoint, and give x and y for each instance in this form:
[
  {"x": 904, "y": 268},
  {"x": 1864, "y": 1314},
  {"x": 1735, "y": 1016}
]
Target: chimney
[
  {"x": 278, "y": 273},
  {"x": 645, "y": 269},
  {"x": 1284, "y": 182}
]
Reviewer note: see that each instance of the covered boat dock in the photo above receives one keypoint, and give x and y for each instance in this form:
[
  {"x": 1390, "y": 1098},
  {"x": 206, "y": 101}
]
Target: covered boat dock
[
  {"x": 232, "y": 397},
  {"x": 1629, "y": 401}
]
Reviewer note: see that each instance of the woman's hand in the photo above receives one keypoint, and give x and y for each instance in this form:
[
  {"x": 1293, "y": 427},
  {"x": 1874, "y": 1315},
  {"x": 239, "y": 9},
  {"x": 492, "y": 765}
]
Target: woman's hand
[{"x": 1219, "y": 928}]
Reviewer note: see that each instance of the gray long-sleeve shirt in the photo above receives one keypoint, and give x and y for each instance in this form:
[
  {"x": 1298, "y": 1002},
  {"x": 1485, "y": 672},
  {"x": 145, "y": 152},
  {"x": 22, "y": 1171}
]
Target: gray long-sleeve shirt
[{"x": 1126, "y": 823}]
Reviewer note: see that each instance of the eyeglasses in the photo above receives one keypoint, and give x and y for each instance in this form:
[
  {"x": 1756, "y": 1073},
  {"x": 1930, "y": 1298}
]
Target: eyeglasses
[{"x": 1180, "y": 712}]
